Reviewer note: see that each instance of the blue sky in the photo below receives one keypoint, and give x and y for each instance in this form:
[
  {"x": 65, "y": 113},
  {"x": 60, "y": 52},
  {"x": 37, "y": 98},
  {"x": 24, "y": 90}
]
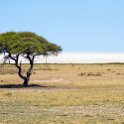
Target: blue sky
[{"x": 76, "y": 25}]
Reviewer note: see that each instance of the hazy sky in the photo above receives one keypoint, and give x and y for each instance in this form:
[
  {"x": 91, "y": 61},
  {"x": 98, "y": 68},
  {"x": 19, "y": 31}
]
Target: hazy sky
[{"x": 76, "y": 25}]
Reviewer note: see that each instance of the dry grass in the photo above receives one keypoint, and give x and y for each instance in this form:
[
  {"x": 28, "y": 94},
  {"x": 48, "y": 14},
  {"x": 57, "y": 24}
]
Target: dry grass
[{"x": 71, "y": 94}]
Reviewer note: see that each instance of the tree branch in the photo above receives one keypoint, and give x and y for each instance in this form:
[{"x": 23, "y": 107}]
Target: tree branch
[
  {"x": 31, "y": 60},
  {"x": 17, "y": 64},
  {"x": 9, "y": 54}
]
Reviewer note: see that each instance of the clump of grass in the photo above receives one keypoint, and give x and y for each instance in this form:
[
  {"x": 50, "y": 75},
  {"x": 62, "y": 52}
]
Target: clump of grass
[
  {"x": 119, "y": 73},
  {"x": 72, "y": 65},
  {"x": 34, "y": 72},
  {"x": 109, "y": 69},
  {"x": 113, "y": 71},
  {"x": 8, "y": 94},
  {"x": 82, "y": 74},
  {"x": 90, "y": 74},
  {"x": 8, "y": 71},
  {"x": 1, "y": 80}
]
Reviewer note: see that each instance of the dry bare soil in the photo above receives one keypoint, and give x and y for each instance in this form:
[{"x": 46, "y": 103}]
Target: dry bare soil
[{"x": 64, "y": 94}]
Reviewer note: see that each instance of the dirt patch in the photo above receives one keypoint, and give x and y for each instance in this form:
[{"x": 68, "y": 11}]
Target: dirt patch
[{"x": 54, "y": 80}]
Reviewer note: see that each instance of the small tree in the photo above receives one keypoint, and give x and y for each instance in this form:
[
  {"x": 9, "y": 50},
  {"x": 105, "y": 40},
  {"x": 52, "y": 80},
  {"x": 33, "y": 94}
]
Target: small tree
[{"x": 28, "y": 45}]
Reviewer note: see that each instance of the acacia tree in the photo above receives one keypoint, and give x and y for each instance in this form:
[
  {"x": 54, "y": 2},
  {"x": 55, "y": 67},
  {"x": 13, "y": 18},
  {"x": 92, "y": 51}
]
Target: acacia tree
[{"x": 28, "y": 45}]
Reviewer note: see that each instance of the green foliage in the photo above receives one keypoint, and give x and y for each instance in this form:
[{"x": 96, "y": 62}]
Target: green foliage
[{"x": 27, "y": 43}]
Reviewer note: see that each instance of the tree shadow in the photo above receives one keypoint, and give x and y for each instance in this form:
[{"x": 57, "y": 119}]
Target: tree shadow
[{"x": 21, "y": 86}]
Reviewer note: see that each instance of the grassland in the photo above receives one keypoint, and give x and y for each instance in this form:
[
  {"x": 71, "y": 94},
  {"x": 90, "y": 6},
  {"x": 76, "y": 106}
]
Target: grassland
[{"x": 68, "y": 94}]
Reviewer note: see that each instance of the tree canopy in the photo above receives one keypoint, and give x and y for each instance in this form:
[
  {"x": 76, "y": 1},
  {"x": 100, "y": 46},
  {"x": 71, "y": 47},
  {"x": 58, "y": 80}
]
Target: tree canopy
[{"x": 28, "y": 45}]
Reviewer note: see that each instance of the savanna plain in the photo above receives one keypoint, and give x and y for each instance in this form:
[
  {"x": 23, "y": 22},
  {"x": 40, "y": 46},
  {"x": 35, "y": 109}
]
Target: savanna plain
[{"x": 63, "y": 94}]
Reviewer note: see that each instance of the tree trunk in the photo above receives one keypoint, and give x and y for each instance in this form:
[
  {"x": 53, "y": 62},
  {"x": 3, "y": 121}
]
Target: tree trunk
[
  {"x": 29, "y": 72},
  {"x": 26, "y": 80}
]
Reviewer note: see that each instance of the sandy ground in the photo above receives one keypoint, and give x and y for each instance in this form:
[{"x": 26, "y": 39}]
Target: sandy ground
[{"x": 95, "y": 93}]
